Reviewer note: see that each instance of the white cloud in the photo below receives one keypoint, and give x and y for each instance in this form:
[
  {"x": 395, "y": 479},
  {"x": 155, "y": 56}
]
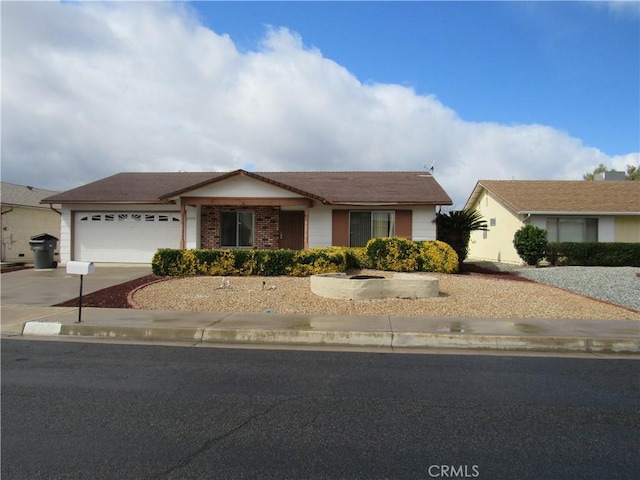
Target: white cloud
[
  {"x": 624, "y": 9},
  {"x": 93, "y": 89}
]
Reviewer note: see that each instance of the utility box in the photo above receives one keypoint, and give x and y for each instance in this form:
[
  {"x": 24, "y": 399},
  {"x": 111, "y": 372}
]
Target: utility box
[
  {"x": 43, "y": 247},
  {"x": 80, "y": 268}
]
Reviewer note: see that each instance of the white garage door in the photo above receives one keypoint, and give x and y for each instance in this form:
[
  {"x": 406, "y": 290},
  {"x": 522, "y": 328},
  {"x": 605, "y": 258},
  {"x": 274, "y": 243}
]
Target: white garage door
[{"x": 127, "y": 237}]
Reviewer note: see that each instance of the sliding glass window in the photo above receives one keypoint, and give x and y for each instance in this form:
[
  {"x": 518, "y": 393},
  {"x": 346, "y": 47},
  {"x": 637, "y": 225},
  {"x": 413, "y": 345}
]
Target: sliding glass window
[
  {"x": 236, "y": 229},
  {"x": 365, "y": 225}
]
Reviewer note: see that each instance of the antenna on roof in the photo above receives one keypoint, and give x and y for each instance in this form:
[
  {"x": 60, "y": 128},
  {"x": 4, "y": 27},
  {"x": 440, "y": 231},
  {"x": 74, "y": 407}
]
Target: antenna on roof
[{"x": 430, "y": 169}]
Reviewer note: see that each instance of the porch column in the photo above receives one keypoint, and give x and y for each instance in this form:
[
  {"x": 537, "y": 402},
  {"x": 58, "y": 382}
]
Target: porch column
[
  {"x": 183, "y": 226},
  {"x": 306, "y": 227}
]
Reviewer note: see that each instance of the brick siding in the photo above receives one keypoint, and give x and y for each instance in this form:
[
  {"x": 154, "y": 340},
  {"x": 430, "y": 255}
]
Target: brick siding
[{"x": 266, "y": 226}]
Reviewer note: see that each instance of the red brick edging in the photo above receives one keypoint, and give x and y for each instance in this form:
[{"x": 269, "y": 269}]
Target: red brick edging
[{"x": 131, "y": 302}]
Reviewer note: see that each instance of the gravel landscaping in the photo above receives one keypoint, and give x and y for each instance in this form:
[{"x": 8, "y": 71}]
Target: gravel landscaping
[
  {"x": 620, "y": 285},
  {"x": 492, "y": 296}
]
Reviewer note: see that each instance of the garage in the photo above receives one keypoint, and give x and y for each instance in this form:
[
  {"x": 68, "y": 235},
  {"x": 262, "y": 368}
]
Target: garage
[{"x": 124, "y": 237}]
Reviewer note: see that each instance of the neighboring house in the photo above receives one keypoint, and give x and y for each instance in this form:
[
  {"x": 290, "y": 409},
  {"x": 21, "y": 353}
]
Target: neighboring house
[
  {"x": 23, "y": 216},
  {"x": 570, "y": 211},
  {"x": 128, "y": 216}
]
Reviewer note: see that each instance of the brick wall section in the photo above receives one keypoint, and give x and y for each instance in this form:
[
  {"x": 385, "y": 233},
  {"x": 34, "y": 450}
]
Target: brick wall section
[{"x": 266, "y": 226}]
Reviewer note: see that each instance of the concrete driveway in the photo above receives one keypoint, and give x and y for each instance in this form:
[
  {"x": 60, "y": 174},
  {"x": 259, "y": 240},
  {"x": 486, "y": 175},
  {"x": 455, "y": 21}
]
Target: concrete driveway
[{"x": 50, "y": 287}]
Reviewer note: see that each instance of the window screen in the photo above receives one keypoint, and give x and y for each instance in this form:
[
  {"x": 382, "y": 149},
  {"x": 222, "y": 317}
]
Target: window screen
[
  {"x": 236, "y": 229},
  {"x": 365, "y": 225}
]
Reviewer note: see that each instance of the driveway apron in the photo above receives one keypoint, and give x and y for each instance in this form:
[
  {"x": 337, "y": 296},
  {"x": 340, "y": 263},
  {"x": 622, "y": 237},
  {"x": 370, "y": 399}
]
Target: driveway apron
[{"x": 50, "y": 287}]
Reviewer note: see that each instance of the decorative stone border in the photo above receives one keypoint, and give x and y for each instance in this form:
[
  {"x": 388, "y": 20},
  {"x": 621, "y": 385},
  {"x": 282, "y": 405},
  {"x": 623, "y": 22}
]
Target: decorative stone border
[
  {"x": 362, "y": 287},
  {"x": 132, "y": 303}
]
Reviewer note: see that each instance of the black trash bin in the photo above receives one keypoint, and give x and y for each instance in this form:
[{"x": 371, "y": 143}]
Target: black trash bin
[{"x": 43, "y": 247}]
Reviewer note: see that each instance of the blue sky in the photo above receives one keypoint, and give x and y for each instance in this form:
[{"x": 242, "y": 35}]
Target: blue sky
[
  {"x": 572, "y": 65},
  {"x": 483, "y": 90}
]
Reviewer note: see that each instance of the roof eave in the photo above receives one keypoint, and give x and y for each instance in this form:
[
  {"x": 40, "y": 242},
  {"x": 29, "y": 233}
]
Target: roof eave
[
  {"x": 390, "y": 204},
  {"x": 107, "y": 202},
  {"x": 248, "y": 174},
  {"x": 559, "y": 212}
]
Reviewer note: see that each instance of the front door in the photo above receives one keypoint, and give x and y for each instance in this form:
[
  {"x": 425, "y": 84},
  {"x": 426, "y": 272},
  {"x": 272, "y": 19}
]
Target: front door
[{"x": 292, "y": 230}]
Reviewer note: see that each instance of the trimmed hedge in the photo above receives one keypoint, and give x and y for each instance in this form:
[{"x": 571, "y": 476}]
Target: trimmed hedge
[
  {"x": 594, "y": 254},
  {"x": 171, "y": 262},
  {"x": 394, "y": 254},
  {"x": 402, "y": 255}
]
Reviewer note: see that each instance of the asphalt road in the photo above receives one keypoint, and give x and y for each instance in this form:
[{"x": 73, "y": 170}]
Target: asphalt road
[{"x": 103, "y": 411}]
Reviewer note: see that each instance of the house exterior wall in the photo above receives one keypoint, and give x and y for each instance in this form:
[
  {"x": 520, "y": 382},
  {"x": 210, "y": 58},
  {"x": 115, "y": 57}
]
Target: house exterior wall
[
  {"x": 607, "y": 225},
  {"x": 241, "y": 186},
  {"x": 424, "y": 226},
  {"x": 19, "y": 224},
  {"x": 627, "y": 229},
  {"x": 495, "y": 245},
  {"x": 192, "y": 227},
  {"x": 320, "y": 225},
  {"x": 321, "y": 222},
  {"x": 606, "y": 229}
]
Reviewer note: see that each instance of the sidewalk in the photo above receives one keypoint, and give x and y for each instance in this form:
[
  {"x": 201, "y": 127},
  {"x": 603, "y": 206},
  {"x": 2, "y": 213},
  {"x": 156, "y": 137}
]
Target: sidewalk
[{"x": 383, "y": 331}]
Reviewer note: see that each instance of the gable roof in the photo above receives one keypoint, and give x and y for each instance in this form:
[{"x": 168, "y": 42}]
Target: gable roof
[
  {"x": 349, "y": 188},
  {"x": 22, "y": 195},
  {"x": 563, "y": 196}
]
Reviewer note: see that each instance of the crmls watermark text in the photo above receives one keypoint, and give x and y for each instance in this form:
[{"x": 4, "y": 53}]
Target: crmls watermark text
[{"x": 453, "y": 471}]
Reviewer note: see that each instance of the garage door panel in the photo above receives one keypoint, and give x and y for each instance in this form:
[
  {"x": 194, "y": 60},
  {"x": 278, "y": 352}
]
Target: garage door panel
[{"x": 129, "y": 237}]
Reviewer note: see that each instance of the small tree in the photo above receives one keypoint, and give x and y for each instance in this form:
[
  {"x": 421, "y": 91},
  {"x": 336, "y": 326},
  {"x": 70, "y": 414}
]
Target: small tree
[
  {"x": 531, "y": 243},
  {"x": 455, "y": 229}
]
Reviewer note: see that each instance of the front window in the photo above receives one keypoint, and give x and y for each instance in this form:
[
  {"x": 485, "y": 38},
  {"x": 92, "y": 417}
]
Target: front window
[
  {"x": 236, "y": 229},
  {"x": 572, "y": 229},
  {"x": 365, "y": 225}
]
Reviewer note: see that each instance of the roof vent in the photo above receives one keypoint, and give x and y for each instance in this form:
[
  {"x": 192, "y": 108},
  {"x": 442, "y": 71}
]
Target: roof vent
[{"x": 610, "y": 175}]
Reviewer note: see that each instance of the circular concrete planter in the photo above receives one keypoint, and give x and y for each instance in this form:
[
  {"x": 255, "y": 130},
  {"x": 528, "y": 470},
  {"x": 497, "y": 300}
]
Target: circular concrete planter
[{"x": 401, "y": 285}]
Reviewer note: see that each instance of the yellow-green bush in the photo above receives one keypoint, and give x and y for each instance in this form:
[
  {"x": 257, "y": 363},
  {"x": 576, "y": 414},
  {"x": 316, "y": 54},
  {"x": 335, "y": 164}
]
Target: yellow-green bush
[
  {"x": 173, "y": 262},
  {"x": 315, "y": 261},
  {"x": 402, "y": 255},
  {"x": 394, "y": 254},
  {"x": 437, "y": 256},
  {"x": 357, "y": 257}
]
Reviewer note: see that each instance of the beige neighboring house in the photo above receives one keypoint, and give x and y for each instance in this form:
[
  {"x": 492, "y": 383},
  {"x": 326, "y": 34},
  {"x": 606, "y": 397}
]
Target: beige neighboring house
[
  {"x": 570, "y": 211},
  {"x": 126, "y": 217},
  {"x": 23, "y": 216}
]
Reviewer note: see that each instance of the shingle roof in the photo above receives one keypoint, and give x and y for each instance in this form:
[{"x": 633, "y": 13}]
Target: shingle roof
[
  {"x": 564, "y": 196},
  {"x": 12, "y": 194},
  {"x": 132, "y": 188},
  {"x": 328, "y": 187}
]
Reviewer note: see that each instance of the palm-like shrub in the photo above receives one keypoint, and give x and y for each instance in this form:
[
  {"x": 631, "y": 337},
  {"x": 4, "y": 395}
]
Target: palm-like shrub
[{"x": 455, "y": 228}]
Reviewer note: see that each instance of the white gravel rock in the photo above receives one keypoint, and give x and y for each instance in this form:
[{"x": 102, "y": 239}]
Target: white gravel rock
[
  {"x": 619, "y": 285},
  {"x": 460, "y": 296}
]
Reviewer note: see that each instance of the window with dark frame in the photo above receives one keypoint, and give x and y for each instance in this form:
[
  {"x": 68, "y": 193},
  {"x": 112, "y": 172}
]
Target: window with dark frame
[
  {"x": 236, "y": 229},
  {"x": 365, "y": 225},
  {"x": 572, "y": 229}
]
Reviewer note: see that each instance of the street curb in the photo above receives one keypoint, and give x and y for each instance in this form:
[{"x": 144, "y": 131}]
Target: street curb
[{"x": 405, "y": 341}]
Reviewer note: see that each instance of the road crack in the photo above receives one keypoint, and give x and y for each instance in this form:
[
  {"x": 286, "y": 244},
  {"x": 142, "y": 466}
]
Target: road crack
[{"x": 213, "y": 441}]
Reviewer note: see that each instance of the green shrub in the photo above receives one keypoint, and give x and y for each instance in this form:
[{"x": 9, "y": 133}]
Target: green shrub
[
  {"x": 357, "y": 257},
  {"x": 170, "y": 262},
  {"x": 401, "y": 255},
  {"x": 531, "y": 243},
  {"x": 391, "y": 254},
  {"x": 437, "y": 256},
  {"x": 603, "y": 254},
  {"x": 315, "y": 261},
  {"x": 164, "y": 260}
]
